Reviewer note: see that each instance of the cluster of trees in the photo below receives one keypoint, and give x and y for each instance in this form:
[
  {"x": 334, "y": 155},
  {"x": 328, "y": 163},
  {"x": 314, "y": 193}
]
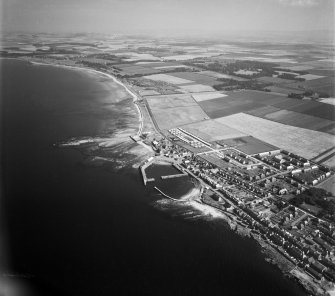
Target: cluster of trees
[
  {"x": 103, "y": 56},
  {"x": 290, "y": 77},
  {"x": 231, "y": 84},
  {"x": 317, "y": 197},
  {"x": 266, "y": 69}
]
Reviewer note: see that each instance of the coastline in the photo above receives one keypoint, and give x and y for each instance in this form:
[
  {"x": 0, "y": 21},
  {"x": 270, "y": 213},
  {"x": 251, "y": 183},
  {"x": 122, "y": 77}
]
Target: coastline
[{"x": 115, "y": 80}]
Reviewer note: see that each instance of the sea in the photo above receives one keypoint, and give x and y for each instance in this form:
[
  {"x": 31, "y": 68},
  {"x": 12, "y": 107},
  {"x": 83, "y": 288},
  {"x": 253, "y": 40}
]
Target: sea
[{"x": 71, "y": 227}]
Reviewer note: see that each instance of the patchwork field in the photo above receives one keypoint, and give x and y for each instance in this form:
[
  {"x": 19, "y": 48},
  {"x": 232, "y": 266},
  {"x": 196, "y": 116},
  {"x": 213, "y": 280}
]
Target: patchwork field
[
  {"x": 196, "y": 88},
  {"x": 168, "y": 79},
  {"x": 249, "y": 145},
  {"x": 211, "y": 130},
  {"x": 304, "y": 142}
]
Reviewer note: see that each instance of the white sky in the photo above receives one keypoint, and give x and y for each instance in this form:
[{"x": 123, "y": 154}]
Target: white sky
[{"x": 166, "y": 16}]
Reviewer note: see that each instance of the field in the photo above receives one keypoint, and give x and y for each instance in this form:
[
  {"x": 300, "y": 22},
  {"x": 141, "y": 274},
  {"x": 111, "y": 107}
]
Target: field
[
  {"x": 304, "y": 142},
  {"x": 298, "y": 120},
  {"x": 274, "y": 80},
  {"x": 310, "y": 76},
  {"x": 328, "y": 185},
  {"x": 196, "y": 77},
  {"x": 283, "y": 90},
  {"x": 196, "y": 88},
  {"x": 133, "y": 70},
  {"x": 148, "y": 92},
  {"x": 170, "y": 101},
  {"x": 330, "y": 101},
  {"x": 220, "y": 75},
  {"x": 199, "y": 97},
  {"x": 226, "y": 106},
  {"x": 168, "y": 118},
  {"x": 174, "y": 110},
  {"x": 211, "y": 130},
  {"x": 168, "y": 79},
  {"x": 249, "y": 145}
]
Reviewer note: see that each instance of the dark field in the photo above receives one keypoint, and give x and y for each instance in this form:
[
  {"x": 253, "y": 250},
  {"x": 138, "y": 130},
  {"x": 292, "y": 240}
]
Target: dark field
[
  {"x": 249, "y": 145},
  {"x": 295, "y": 119},
  {"x": 198, "y": 78},
  {"x": 308, "y": 114}
]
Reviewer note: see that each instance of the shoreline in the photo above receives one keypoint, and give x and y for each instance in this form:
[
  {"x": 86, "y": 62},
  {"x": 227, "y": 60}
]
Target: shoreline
[{"x": 92, "y": 71}]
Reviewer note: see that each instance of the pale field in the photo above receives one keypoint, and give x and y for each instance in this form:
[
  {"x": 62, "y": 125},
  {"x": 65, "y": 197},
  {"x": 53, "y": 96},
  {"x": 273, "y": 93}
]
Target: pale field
[
  {"x": 199, "y": 97},
  {"x": 298, "y": 68},
  {"x": 310, "y": 76},
  {"x": 172, "y": 67},
  {"x": 211, "y": 130},
  {"x": 303, "y": 142},
  {"x": 170, "y": 101},
  {"x": 330, "y": 101},
  {"x": 148, "y": 92},
  {"x": 196, "y": 88},
  {"x": 168, "y": 118},
  {"x": 168, "y": 79},
  {"x": 330, "y": 162},
  {"x": 185, "y": 57}
]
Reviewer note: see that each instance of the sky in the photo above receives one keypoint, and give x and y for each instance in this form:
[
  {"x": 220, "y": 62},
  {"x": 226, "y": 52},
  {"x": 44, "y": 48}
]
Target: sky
[{"x": 166, "y": 16}]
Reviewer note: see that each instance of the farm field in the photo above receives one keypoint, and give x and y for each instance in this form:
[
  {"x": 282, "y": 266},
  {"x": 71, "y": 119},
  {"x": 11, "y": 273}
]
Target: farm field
[
  {"x": 174, "y": 110},
  {"x": 210, "y": 130},
  {"x": 300, "y": 141},
  {"x": 133, "y": 70},
  {"x": 170, "y": 101},
  {"x": 226, "y": 106},
  {"x": 330, "y": 101},
  {"x": 328, "y": 185},
  {"x": 220, "y": 75},
  {"x": 274, "y": 80},
  {"x": 148, "y": 92},
  {"x": 199, "y": 97},
  {"x": 298, "y": 119},
  {"x": 249, "y": 145},
  {"x": 196, "y": 77},
  {"x": 196, "y": 88},
  {"x": 310, "y": 76},
  {"x": 262, "y": 111},
  {"x": 283, "y": 89},
  {"x": 168, "y": 79}
]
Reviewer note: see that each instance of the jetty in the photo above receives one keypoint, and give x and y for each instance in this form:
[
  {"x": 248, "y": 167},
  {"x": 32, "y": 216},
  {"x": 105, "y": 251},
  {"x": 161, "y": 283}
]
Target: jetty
[
  {"x": 144, "y": 175},
  {"x": 169, "y": 197},
  {"x": 173, "y": 176}
]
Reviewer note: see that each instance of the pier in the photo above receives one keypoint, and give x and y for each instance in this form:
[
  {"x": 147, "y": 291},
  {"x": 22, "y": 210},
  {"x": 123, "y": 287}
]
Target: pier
[
  {"x": 161, "y": 192},
  {"x": 174, "y": 176},
  {"x": 144, "y": 175}
]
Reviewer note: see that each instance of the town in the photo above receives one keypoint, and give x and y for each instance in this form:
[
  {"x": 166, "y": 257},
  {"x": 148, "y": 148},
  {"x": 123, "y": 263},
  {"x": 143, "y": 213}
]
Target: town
[{"x": 257, "y": 189}]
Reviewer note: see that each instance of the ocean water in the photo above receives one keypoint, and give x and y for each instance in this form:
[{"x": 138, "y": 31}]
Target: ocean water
[{"x": 71, "y": 228}]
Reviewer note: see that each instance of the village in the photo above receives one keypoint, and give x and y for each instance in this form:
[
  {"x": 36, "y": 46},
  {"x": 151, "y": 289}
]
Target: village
[{"x": 256, "y": 189}]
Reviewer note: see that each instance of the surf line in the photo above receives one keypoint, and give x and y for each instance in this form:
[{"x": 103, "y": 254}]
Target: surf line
[{"x": 161, "y": 192}]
